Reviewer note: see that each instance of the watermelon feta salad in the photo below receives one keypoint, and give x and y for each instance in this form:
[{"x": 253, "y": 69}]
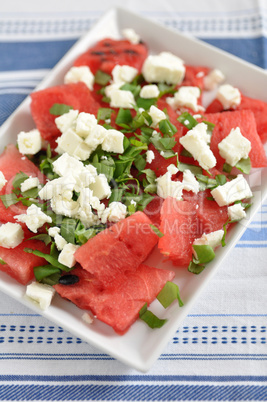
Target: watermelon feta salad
[{"x": 125, "y": 158}]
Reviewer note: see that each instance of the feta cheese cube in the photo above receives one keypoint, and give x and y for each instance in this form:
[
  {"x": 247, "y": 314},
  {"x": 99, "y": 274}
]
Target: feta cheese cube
[
  {"x": 157, "y": 115},
  {"x": 234, "y": 190},
  {"x": 53, "y": 231},
  {"x": 164, "y": 67},
  {"x": 60, "y": 242},
  {"x": 29, "y": 183},
  {"x": 67, "y": 120},
  {"x": 113, "y": 142},
  {"x": 87, "y": 318},
  {"x": 212, "y": 239},
  {"x": 66, "y": 256},
  {"x": 85, "y": 124},
  {"x": 69, "y": 141},
  {"x": 150, "y": 156},
  {"x": 82, "y": 151},
  {"x": 115, "y": 212},
  {"x": 213, "y": 79},
  {"x": 29, "y": 143},
  {"x": 120, "y": 98},
  {"x": 195, "y": 143},
  {"x": 34, "y": 218},
  {"x": 3, "y": 180},
  {"x": 234, "y": 147},
  {"x": 169, "y": 188},
  {"x": 186, "y": 96},
  {"x": 131, "y": 35},
  {"x": 96, "y": 136},
  {"x": 149, "y": 91},
  {"x": 100, "y": 187},
  {"x": 123, "y": 74},
  {"x": 189, "y": 182},
  {"x": 229, "y": 96},
  {"x": 64, "y": 206},
  {"x": 236, "y": 212},
  {"x": 172, "y": 169},
  {"x": 11, "y": 235},
  {"x": 66, "y": 165},
  {"x": 80, "y": 74},
  {"x": 41, "y": 294}
]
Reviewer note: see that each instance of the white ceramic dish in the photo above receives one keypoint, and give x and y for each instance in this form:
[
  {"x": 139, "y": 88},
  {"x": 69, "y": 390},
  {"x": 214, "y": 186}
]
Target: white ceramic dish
[{"x": 141, "y": 346}]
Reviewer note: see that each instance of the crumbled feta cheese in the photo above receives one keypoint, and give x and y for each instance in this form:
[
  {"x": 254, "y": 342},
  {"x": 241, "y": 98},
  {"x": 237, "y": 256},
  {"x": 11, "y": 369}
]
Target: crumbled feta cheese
[
  {"x": 234, "y": 190},
  {"x": 123, "y": 74},
  {"x": 133, "y": 202},
  {"x": 69, "y": 141},
  {"x": 149, "y": 91},
  {"x": 212, "y": 239},
  {"x": 80, "y": 74},
  {"x": 41, "y": 294},
  {"x": 172, "y": 169},
  {"x": 96, "y": 136},
  {"x": 131, "y": 35},
  {"x": 66, "y": 256},
  {"x": 85, "y": 124},
  {"x": 229, "y": 96},
  {"x": 60, "y": 242},
  {"x": 234, "y": 147},
  {"x": 29, "y": 183},
  {"x": 87, "y": 318},
  {"x": 213, "y": 79},
  {"x": 67, "y": 120},
  {"x": 195, "y": 143},
  {"x": 164, "y": 67},
  {"x": 11, "y": 235},
  {"x": 113, "y": 141},
  {"x": 186, "y": 96},
  {"x": 34, "y": 218},
  {"x": 29, "y": 143},
  {"x": 169, "y": 188},
  {"x": 64, "y": 206},
  {"x": 236, "y": 212},
  {"x": 157, "y": 115},
  {"x": 120, "y": 98},
  {"x": 53, "y": 231},
  {"x": 150, "y": 156},
  {"x": 100, "y": 187},
  {"x": 82, "y": 151},
  {"x": 3, "y": 180},
  {"x": 115, "y": 212},
  {"x": 189, "y": 182}
]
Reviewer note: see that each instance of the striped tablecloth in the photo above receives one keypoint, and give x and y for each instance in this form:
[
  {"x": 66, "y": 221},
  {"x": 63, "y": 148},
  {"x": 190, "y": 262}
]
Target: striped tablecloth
[{"x": 220, "y": 351}]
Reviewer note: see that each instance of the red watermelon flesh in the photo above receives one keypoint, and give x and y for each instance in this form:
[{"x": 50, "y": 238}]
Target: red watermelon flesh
[
  {"x": 244, "y": 119},
  {"x": 118, "y": 306},
  {"x": 258, "y": 107},
  {"x": 76, "y": 95},
  {"x": 194, "y": 76},
  {"x": 11, "y": 163},
  {"x": 107, "y": 53},
  {"x": 19, "y": 264},
  {"x": 123, "y": 246},
  {"x": 152, "y": 210},
  {"x": 179, "y": 224}
]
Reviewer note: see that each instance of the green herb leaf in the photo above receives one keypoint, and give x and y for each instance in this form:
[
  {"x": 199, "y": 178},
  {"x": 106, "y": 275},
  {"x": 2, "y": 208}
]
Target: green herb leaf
[
  {"x": 220, "y": 179},
  {"x": 2, "y": 262},
  {"x": 43, "y": 271},
  {"x": 135, "y": 89},
  {"x": 145, "y": 103},
  {"x": 196, "y": 170},
  {"x": 124, "y": 117},
  {"x": 102, "y": 78},
  {"x": 244, "y": 165},
  {"x": 157, "y": 231},
  {"x": 168, "y": 294},
  {"x": 42, "y": 237},
  {"x": 19, "y": 179},
  {"x": 150, "y": 319},
  {"x": 9, "y": 199},
  {"x": 205, "y": 253},
  {"x": 227, "y": 168},
  {"x": 67, "y": 229},
  {"x": 104, "y": 113},
  {"x": 187, "y": 120},
  {"x": 60, "y": 108},
  {"x": 167, "y": 128},
  {"x": 195, "y": 268},
  {"x": 49, "y": 258}
]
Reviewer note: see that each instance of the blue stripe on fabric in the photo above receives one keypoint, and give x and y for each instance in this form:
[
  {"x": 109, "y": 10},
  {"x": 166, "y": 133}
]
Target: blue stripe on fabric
[
  {"x": 255, "y": 235},
  {"x": 32, "y": 55},
  {"x": 8, "y": 104},
  {"x": 137, "y": 392}
]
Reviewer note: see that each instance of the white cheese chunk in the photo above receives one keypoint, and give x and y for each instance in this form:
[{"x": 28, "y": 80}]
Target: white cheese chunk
[
  {"x": 189, "y": 182},
  {"x": 150, "y": 156},
  {"x": 123, "y": 74},
  {"x": 85, "y": 124},
  {"x": 115, "y": 212},
  {"x": 234, "y": 190},
  {"x": 34, "y": 218},
  {"x": 186, "y": 96},
  {"x": 236, "y": 212},
  {"x": 67, "y": 120},
  {"x": 66, "y": 165},
  {"x": 11, "y": 235},
  {"x": 195, "y": 143},
  {"x": 29, "y": 183},
  {"x": 164, "y": 67},
  {"x": 172, "y": 169},
  {"x": 131, "y": 35},
  {"x": 113, "y": 141},
  {"x": 64, "y": 206},
  {"x": 212, "y": 239},
  {"x": 53, "y": 231},
  {"x": 66, "y": 256},
  {"x": 3, "y": 180},
  {"x": 157, "y": 115},
  {"x": 96, "y": 136},
  {"x": 60, "y": 242},
  {"x": 234, "y": 147},
  {"x": 213, "y": 79},
  {"x": 169, "y": 188},
  {"x": 100, "y": 187},
  {"x": 29, "y": 143},
  {"x": 87, "y": 318},
  {"x": 149, "y": 91},
  {"x": 120, "y": 98},
  {"x": 229, "y": 96},
  {"x": 40, "y": 293},
  {"x": 82, "y": 151},
  {"x": 69, "y": 141},
  {"x": 80, "y": 74}
]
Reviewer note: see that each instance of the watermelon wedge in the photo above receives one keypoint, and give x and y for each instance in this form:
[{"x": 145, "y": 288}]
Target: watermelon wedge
[
  {"x": 122, "y": 247},
  {"x": 119, "y": 305}
]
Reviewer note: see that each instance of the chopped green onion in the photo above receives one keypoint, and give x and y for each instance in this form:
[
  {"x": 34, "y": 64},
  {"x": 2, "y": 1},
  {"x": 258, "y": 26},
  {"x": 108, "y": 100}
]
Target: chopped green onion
[
  {"x": 167, "y": 128},
  {"x": 124, "y": 117},
  {"x": 157, "y": 231},
  {"x": 150, "y": 319},
  {"x": 145, "y": 103},
  {"x": 168, "y": 294},
  {"x": 49, "y": 258},
  {"x": 60, "y": 108},
  {"x": 205, "y": 253},
  {"x": 195, "y": 268},
  {"x": 187, "y": 120},
  {"x": 2, "y": 262}
]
